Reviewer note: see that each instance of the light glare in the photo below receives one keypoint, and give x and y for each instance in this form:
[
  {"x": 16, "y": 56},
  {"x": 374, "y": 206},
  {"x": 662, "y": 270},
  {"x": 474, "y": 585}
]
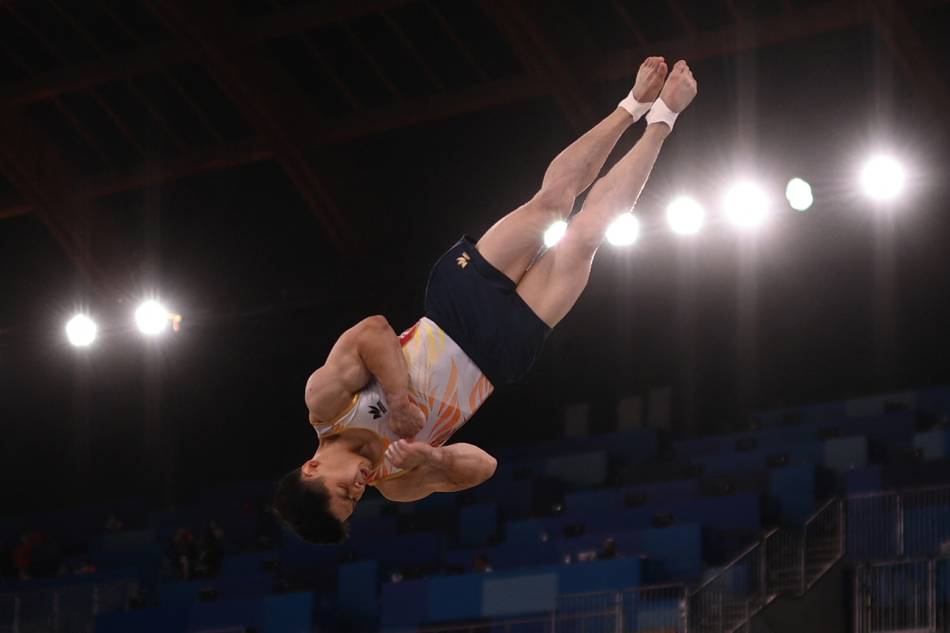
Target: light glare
[
  {"x": 882, "y": 177},
  {"x": 798, "y": 193},
  {"x": 746, "y": 205},
  {"x": 685, "y": 216},
  {"x": 624, "y": 230},
  {"x": 554, "y": 233},
  {"x": 81, "y": 330},
  {"x": 151, "y": 317}
]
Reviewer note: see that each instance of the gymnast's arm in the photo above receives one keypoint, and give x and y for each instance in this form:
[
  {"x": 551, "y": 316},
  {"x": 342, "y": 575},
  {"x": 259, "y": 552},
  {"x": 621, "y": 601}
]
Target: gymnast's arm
[
  {"x": 369, "y": 348},
  {"x": 448, "y": 468}
]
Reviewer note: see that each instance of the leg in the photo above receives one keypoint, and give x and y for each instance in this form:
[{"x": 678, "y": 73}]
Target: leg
[
  {"x": 553, "y": 285},
  {"x": 512, "y": 243}
]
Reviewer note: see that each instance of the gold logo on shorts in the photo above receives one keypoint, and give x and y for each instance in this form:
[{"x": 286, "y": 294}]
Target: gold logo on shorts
[{"x": 463, "y": 260}]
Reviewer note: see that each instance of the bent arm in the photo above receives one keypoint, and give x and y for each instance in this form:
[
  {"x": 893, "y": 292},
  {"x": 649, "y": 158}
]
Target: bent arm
[
  {"x": 369, "y": 348},
  {"x": 448, "y": 468}
]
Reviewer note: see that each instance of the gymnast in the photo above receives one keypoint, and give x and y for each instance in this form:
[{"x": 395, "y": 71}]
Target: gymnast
[{"x": 383, "y": 405}]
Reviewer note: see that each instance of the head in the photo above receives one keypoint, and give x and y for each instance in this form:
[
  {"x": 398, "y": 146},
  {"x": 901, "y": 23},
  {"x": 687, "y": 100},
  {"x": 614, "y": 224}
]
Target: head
[{"x": 317, "y": 498}]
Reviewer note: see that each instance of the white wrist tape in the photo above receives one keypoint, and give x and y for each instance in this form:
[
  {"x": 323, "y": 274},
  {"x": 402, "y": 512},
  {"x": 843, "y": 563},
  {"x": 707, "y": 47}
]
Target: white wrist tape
[
  {"x": 661, "y": 113},
  {"x": 634, "y": 107}
]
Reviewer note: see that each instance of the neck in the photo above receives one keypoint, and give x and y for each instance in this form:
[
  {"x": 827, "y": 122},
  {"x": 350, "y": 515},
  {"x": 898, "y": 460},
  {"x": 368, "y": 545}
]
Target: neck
[{"x": 359, "y": 441}]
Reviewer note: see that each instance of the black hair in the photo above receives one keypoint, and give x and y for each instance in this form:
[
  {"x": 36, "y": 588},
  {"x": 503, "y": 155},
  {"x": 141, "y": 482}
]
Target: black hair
[{"x": 305, "y": 508}]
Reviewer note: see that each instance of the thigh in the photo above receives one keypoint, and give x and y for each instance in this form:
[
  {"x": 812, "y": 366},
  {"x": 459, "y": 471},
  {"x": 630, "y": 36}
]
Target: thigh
[
  {"x": 552, "y": 286},
  {"x": 513, "y": 242}
]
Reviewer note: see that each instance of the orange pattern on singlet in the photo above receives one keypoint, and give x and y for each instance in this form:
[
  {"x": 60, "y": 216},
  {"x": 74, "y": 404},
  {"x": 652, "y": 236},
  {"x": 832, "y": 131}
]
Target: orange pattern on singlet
[{"x": 443, "y": 382}]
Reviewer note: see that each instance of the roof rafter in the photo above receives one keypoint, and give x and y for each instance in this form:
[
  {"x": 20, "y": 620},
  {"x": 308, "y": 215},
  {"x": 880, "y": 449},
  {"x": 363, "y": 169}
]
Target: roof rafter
[
  {"x": 898, "y": 33},
  {"x": 263, "y": 95},
  {"x": 728, "y": 40},
  {"x": 537, "y": 55},
  {"x": 47, "y": 181}
]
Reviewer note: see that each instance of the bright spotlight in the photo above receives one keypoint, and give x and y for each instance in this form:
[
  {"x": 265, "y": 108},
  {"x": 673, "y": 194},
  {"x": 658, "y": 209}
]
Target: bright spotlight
[
  {"x": 81, "y": 330},
  {"x": 685, "y": 216},
  {"x": 152, "y": 318},
  {"x": 882, "y": 177},
  {"x": 624, "y": 230},
  {"x": 554, "y": 233},
  {"x": 798, "y": 194},
  {"x": 746, "y": 205}
]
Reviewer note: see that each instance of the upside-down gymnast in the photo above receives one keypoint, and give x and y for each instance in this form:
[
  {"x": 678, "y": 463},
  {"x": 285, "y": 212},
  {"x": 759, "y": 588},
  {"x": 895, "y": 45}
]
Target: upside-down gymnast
[{"x": 384, "y": 405}]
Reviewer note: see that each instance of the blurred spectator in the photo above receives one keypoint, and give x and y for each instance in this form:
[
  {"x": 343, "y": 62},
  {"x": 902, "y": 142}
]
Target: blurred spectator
[
  {"x": 182, "y": 553},
  {"x": 210, "y": 551},
  {"x": 609, "y": 549},
  {"x": 114, "y": 524},
  {"x": 7, "y": 568},
  {"x": 482, "y": 564},
  {"x": 85, "y": 566},
  {"x": 268, "y": 526},
  {"x": 23, "y": 554}
]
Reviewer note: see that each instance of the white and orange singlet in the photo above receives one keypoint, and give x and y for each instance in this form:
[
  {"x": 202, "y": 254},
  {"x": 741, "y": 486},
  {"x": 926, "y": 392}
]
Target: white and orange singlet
[{"x": 443, "y": 382}]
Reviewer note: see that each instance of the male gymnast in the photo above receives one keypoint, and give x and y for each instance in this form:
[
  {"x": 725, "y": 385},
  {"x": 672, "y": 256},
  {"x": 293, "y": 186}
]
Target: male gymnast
[{"x": 383, "y": 405}]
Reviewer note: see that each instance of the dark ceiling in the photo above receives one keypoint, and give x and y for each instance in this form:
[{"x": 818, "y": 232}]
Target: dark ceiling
[{"x": 277, "y": 169}]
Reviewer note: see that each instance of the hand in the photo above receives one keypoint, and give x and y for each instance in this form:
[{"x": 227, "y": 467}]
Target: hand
[
  {"x": 680, "y": 87},
  {"x": 408, "y": 454},
  {"x": 405, "y": 418},
  {"x": 650, "y": 79}
]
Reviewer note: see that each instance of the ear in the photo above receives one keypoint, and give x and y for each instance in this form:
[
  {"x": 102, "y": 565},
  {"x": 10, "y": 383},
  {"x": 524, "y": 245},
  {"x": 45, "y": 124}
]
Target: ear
[{"x": 310, "y": 468}]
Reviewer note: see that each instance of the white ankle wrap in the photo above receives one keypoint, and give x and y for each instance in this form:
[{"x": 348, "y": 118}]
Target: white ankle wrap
[
  {"x": 661, "y": 113},
  {"x": 634, "y": 107}
]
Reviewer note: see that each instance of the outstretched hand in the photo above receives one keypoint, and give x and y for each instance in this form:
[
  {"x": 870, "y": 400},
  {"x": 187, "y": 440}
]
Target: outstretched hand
[
  {"x": 405, "y": 418},
  {"x": 408, "y": 454},
  {"x": 680, "y": 87}
]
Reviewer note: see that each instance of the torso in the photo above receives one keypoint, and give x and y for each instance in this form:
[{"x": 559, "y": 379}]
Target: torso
[{"x": 443, "y": 381}]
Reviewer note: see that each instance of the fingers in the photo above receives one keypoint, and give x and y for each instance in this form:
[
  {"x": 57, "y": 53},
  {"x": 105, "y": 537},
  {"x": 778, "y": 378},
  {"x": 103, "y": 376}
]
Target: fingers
[{"x": 396, "y": 453}]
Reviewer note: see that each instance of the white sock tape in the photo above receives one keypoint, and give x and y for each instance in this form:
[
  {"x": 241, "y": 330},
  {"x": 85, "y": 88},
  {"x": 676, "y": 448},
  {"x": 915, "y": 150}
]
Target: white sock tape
[
  {"x": 661, "y": 113},
  {"x": 634, "y": 107}
]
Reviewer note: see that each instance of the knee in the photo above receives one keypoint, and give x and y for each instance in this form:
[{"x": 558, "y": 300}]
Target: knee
[
  {"x": 582, "y": 238},
  {"x": 551, "y": 204}
]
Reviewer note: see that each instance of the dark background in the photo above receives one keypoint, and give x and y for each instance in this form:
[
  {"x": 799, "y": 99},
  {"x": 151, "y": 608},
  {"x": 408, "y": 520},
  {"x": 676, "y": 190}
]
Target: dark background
[{"x": 275, "y": 189}]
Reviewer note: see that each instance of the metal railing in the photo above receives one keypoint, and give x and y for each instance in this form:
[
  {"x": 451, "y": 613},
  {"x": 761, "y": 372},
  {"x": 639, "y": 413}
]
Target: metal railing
[
  {"x": 786, "y": 561},
  {"x": 727, "y": 600},
  {"x": 888, "y": 525},
  {"x": 910, "y": 595},
  {"x": 823, "y": 542},
  {"x": 659, "y": 609},
  {"x": 63, "y": 610}
]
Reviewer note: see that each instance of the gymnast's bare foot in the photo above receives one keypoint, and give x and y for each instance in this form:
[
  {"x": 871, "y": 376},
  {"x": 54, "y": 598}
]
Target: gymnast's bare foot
[
  {"x": 650, "y": 79},
  {"x": 680, "y": 87}
]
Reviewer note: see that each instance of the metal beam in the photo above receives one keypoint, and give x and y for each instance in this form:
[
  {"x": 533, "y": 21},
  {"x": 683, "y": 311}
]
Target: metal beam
[
  {"x": 538, "y": 56},
  {"x": 47, "y": 181},
  {"x": 152, "y": 57},
  {"x": 266, "y": 98},
  {"x": 895, "y": 28},
  {"x": 725, "y": 41},
  {"x": 830, "y": 16}
]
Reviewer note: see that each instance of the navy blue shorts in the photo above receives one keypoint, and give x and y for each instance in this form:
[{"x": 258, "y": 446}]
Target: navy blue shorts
[{"x": 476, "y": 304}]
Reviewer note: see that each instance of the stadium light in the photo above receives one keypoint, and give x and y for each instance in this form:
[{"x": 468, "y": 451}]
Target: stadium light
[
  {"x": 152, "y": 318},
  {"x": 685, "y": 216},
  {"x": 554, "y": 233},
  {"x": 746, "y": 205},
  {"x": 81, "y": 331},
  {"x": 624, "y": 230},
  {"x": 882, "y": 177},
  {"x": 798, "y": 193}
]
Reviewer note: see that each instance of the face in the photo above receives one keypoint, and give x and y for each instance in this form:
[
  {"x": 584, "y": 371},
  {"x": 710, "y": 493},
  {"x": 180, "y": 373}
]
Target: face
[{"x": 344, "y": 473}]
